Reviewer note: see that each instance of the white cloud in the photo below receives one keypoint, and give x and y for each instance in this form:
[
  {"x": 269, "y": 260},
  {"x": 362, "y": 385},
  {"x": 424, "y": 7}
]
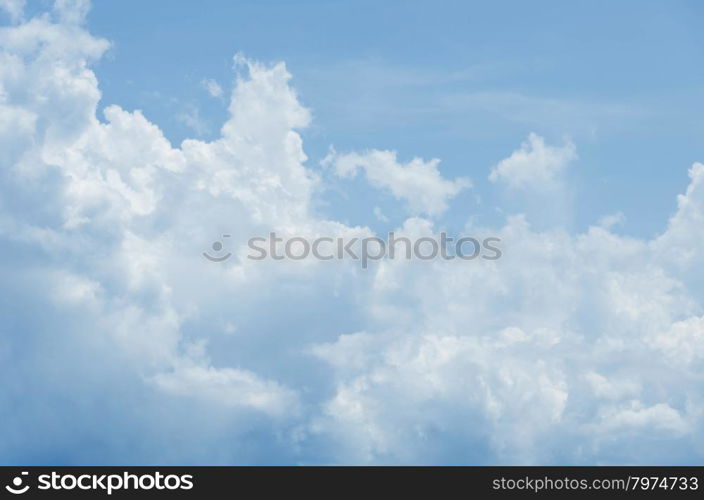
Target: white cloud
[
  {"x": 118, "y": 187},
  {"x": 72, "y": 11},
  {"x": 534, "y": 166},
  {"x": 612, "y": 388},
  {"x": 500, "y": 350},
  {"x": 230, "y": 387},
  {"x": 635, "y": 416},
  {"x": 212, "y": 87},
  {"x": 612, "y": 220},
  {"x": 417, "y": 182},
  {"x": 683, "y": 342}
]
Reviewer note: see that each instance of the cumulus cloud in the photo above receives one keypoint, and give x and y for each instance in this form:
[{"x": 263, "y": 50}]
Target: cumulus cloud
[
  {"x": 557, "y": 343},
  {"x": 417, "y": 182},
  {"x": 578, "y": 348},
  {"x": 535, "y": 165},
  {"x": 99, "y": 199}
]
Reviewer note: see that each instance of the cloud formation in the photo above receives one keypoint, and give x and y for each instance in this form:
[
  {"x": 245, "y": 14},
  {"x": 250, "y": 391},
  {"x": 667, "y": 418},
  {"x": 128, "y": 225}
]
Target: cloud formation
[
  {"x": 212, "y": 87},
  {"x": 118, "y": 336},
  {"x": 418, "y": 183},
  {"x": 535, "y": 165}
]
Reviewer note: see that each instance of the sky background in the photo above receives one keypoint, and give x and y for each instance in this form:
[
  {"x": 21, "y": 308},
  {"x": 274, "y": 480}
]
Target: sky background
[
  {"x": 136, "y": 134},
  {"x": 459, "y": 81}
]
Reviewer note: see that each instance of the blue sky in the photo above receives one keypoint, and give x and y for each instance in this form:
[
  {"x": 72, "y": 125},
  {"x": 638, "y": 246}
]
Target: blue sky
[
  {"x": 137, "y": 133},
  {"x": 460, "y": 81}
]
